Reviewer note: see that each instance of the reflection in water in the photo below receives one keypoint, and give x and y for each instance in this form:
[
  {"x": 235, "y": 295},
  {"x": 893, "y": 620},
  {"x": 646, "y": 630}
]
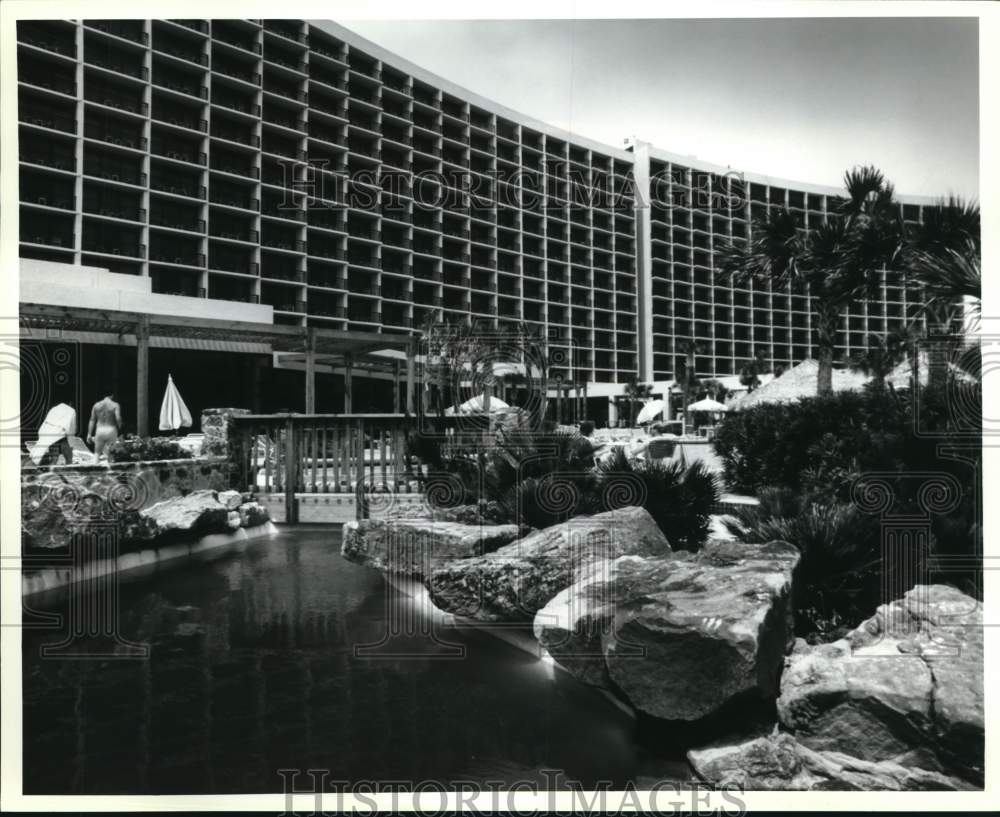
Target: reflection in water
[{"x": 252, "y": 669}]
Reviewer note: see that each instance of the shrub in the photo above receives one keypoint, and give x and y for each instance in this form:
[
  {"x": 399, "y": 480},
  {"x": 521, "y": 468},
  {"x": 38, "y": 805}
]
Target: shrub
[
  {"x": 142, "y": 449},
  {"x": 679, "y": 498},
  {"x": 544, "y": 478},
  {"x": 821, "y": 446},
  {"x": 838, "y": 581}
]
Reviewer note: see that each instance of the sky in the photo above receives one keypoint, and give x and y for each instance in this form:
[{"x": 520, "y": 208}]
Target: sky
[{"x": 798, "y": 99}]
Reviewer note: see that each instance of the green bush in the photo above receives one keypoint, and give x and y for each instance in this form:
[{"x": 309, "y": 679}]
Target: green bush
[
  {"x": 839, "y": 578},
  {"x": 820, "y": 448},
  {"x": 142, "y": 449},
  {"x": 540, "y": 479},
  {"x": 679, "y": 498}
]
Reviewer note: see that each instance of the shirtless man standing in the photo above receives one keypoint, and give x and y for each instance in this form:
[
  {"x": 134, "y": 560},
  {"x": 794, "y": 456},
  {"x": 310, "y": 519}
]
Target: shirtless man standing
[{"x": 105, "y": 424}]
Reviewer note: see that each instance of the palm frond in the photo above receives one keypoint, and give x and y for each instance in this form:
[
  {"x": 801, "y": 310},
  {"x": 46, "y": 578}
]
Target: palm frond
[
  {"x": 948, "y": 276},
  {"x": 772, "y": 253},
  {"x": 862, "y": 184}
]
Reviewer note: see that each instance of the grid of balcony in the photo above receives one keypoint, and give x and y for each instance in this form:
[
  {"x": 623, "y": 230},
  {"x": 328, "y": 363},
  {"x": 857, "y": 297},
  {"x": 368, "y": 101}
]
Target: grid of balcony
[
  {"x": 693, "y": 215},
  {"x": 213, "y": 157},
  {"x": 267, "y": 160}
]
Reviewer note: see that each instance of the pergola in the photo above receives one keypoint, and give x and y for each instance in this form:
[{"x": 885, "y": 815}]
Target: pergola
[{"x": 345, "y": 347}]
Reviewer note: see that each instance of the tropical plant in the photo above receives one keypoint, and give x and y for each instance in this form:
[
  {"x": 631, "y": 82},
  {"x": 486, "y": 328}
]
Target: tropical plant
[
  {"x": 680, "y": 498},
  {"x": 636, "y": 393},
  {"x": 943, "y": 256},
  {"x": 835, "y": 262},
  {"x": 882, "y": 355},
  {"x": 751, "y": 370},
  {"x": 132, "y": 448},
  {"x": 840, "y": 574},
  {"x": 688, "y": 371}
]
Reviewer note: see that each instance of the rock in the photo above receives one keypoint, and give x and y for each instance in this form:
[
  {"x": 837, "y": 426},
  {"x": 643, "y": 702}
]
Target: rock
[
  {"x": 514, "y": 582},
  {"x": 231, "y": 499},
  {"x": 198, "y": 512},
  {"x": 679, "y": 636},
  {"x": 780, "y": 763},
  {"x": 415, "y": 546},
  {"x": 905, "y": 686},
  {"x": 253, "y": 514}
]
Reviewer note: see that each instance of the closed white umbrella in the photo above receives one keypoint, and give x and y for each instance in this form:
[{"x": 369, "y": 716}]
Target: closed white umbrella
[
  {"x": 173, "y": 413},
  {"x": 708, "y": 404},
  {"x": 650, "y": 411}
]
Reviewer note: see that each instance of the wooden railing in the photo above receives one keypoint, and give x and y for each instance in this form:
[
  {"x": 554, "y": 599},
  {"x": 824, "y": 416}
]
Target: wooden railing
[{"x": 324, "y": 453}]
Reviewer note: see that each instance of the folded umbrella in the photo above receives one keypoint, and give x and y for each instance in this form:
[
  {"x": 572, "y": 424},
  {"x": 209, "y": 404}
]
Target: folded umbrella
[{"x": 173, "y": 413}]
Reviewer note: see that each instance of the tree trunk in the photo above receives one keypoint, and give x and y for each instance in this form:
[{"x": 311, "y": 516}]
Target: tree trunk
[
  {"x": 824, "y": 379},
  {"x": 938, "y": 352}
]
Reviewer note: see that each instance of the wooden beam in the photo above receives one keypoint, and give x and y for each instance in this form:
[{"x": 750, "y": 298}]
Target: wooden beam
[
  {"x": 348, "y": 384},
  {"x": 411, "y": 374},
  {"x": 395, "y": 387},
  {"x": 142, "y": 376},
  {"x": 311, "y": 371}
]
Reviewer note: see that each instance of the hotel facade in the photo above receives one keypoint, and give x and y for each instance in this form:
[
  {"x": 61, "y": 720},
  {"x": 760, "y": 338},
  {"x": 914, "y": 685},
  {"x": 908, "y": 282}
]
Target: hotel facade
[{"x": 291, "y": 173}]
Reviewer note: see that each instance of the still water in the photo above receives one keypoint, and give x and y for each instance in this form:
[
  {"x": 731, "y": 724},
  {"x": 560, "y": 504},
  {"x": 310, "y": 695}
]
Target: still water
[{"x": 253, "y": 668}]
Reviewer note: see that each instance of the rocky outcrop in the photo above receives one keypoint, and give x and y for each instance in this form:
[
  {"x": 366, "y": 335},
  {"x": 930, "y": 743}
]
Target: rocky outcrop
[
  {"x": 514, "y": 582},
  {"x": 679, "y": 636},
  {"x": 906, "y": 686},
  {"x": 231, "y": 499},
  {"x": 61, "y": 501},
  {"x": 414, "y": 547},
  {"x": 779, "y": 762},
  {"x": 486, "y": 513},
  {"x": 198, "y": 512}
]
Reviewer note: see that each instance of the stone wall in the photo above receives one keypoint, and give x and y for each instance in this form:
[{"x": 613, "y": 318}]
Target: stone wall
[
  {"x": 216, "y": 425},
  {"x": 53, "y": 496}
]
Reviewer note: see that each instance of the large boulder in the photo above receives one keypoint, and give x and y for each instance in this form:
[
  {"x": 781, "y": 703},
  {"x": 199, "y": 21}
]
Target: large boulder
[
  {"x": 514, "y": 582},
  {"x": 780, "y": 763},
  {"x": 413, "y": 547},
  {"x": 679, "y": 636},
  {"x": 199, "y": 512},
  {"x": 905, "y": 686}
]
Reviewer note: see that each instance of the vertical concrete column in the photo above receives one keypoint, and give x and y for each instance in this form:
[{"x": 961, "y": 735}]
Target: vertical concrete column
[{"x": 644, "y": 263}]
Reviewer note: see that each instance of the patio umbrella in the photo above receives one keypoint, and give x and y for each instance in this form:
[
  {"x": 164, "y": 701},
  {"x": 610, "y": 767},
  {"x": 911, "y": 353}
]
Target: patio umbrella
[
  {"x": 708, "y": 404},
  {"x": 173, "y": 413},
  {"x": 650, "y": 411},
  {"x": 475, "y": 406}
]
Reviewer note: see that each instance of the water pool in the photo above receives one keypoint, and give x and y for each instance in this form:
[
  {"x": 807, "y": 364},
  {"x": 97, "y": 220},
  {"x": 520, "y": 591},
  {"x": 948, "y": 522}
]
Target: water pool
[{"x": 252, "y": 668}]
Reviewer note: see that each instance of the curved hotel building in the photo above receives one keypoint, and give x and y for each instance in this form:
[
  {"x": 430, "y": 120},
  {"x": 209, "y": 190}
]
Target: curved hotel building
[{"x": 291, "y": 173}]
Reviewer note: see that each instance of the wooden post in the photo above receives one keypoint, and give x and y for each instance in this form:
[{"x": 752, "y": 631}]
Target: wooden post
[
  {"x": 291, "y": 474},
  {"x": 348, "y": 384},
  {"x": 311, "y": 370},
  {"x": 395, "y": 387},
  {"x": 142, "y": 376},
  {"x": 411, "y": 371},
  {"x": 256, "y": 367}
]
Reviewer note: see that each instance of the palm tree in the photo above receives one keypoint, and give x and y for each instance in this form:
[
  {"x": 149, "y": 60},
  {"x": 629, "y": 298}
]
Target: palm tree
[
  {"x": 835, "y": 262},
  {"x": 882, "y": 355},
  {"x": 636, "y": 392},
  {"x": 689, "y": 374},
  {"x": 751, "y": 371},
  {"x": 943, "y": 255}
]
